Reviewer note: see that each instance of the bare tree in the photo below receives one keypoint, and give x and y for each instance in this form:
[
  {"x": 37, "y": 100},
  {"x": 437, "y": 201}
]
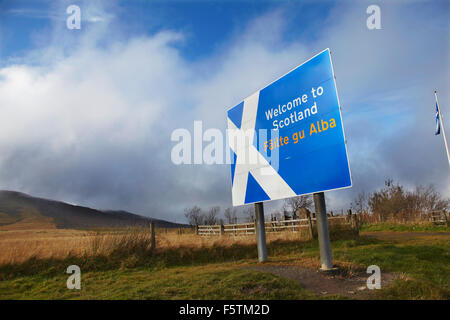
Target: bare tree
[
  {"x": 389, "y": 202},
  {"x": 249, "y": 213},
  {"x": 194, "y": 216},
  {"x": 395, "y": 202},
  {"x": 277, "y": 215},
  {"x": 428, "y": 199},
  {"x": 211, "y": 216},
  {"x": 230, "y": 215},
  {"x": 293, "y": 205},
  {"x": 359, "y": 204}
]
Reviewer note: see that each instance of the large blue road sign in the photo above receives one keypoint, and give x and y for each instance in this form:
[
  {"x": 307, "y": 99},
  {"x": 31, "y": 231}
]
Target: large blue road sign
[{"x": 287, "y": 139}]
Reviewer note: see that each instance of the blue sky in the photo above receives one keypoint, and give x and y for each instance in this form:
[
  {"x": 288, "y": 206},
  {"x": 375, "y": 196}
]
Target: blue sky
[
  {"x": 87, "y": 114},
  {"x": 206, "y": 24}
]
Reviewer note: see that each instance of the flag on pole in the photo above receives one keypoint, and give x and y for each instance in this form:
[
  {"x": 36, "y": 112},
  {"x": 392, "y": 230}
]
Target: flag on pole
[
  {"x": 439, "y": 121},
  {"x": 438, "y": 125}
]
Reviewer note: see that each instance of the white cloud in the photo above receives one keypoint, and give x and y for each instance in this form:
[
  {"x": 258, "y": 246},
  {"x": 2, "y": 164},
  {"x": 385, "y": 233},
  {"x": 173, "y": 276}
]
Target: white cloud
[{"x": 93, "y": 126}]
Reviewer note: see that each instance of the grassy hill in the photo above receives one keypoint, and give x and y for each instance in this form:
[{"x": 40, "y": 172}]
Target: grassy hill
[{"x": 16, "y": 207}]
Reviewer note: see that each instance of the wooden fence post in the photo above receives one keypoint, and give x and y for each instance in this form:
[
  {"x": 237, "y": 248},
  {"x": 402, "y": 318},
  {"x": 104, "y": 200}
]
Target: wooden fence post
[
  {"x": 355, "y": 223},
  {"x": 311, "y": 231},
  {"x": 196, "y": 229},
  {"x": 349, "y": 217},
  {"x": 152, "y": 237},
  {"x": 222, "y": 230},
  {"x": 445, "y": 217}
]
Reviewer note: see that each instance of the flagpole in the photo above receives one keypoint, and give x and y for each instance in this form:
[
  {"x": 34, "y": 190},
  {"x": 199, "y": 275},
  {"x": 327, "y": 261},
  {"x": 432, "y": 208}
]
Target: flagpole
[{"x": 443, "y": 128}]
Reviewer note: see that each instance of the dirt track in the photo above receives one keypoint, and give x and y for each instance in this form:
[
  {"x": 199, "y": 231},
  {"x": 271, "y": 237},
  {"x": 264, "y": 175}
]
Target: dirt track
[{"x": 353, "y": 285}]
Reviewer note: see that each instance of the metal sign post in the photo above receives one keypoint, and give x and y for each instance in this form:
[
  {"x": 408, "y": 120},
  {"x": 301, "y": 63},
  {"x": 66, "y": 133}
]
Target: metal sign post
[
  {"x": 260, "y": 232},
  {"x": 322, "y": 231}
]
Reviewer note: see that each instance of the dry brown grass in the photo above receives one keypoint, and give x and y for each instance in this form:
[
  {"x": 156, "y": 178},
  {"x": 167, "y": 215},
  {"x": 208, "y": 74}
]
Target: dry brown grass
[
  {"x": 20, "y": 245},
  {"x": 174, "y": 240}
]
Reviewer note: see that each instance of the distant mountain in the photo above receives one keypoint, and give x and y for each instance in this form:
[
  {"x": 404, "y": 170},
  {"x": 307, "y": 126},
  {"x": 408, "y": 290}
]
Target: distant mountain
[{"x": 16, "y": 207}]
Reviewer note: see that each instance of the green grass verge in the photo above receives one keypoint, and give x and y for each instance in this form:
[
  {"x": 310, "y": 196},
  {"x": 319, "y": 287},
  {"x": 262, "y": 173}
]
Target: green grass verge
[
  {"x": 388, "y": 226},
  {"x": 205, "y": 282},
  {"x": 423, "y": 264}
]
